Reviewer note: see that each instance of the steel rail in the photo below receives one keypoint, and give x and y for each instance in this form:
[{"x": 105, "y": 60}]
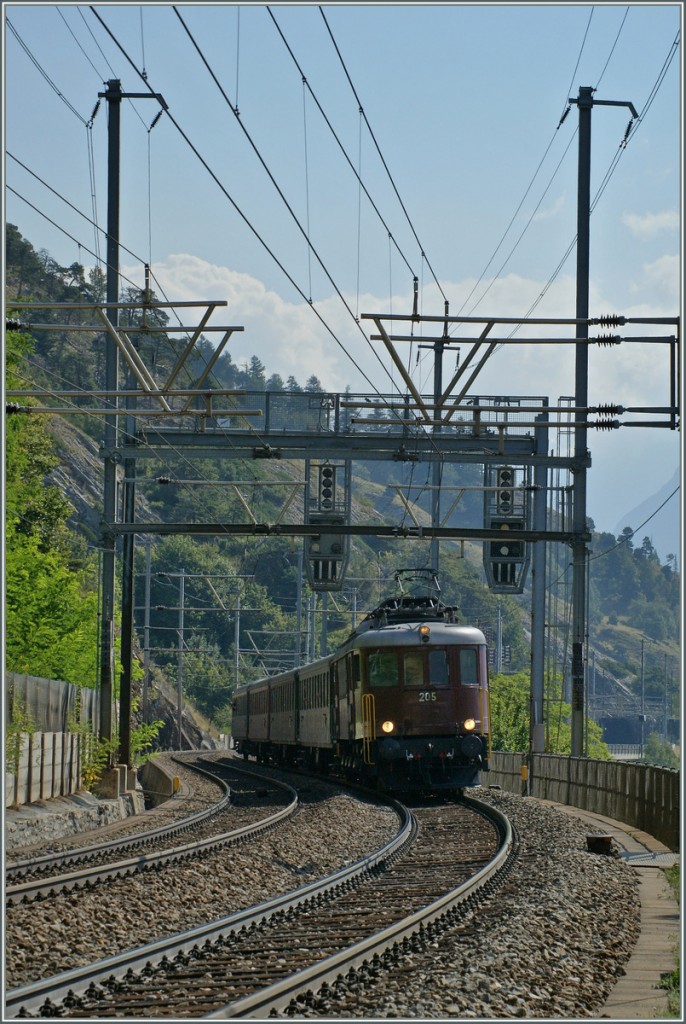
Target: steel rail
[
  {"x": 18, "y": 868},
  {"x": 275, "y": 998},
  {"x": 30, "y": 998},
  {"x": 28, "y": 891}
]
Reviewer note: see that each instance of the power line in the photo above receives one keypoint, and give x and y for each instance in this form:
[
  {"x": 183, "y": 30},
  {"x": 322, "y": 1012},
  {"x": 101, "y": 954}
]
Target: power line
[
  {"x": 640, "y": 527},
  {"x": 257, "y": 235},
  {"x": 44, "y": 73},
  {"x": 362, "y": 185},
  {"x": 381, "y": 157}
]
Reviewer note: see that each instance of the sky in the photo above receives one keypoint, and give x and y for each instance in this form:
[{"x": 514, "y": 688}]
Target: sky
[{"x": 450, "y": 115}]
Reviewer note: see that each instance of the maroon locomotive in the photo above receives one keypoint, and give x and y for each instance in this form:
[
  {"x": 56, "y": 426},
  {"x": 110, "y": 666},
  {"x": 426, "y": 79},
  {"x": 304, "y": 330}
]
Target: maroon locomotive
[{"x": 402, "y": 703}]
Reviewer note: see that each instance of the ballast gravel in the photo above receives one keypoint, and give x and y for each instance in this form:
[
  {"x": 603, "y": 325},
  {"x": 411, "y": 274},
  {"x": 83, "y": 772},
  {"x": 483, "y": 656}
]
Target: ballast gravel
[
  {"x": 330, "y": 830},
  {"x": 552, "y": 943}
]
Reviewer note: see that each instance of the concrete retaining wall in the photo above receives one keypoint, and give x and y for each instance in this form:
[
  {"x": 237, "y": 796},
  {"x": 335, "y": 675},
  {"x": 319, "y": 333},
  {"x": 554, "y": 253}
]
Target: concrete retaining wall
[
  {"x": 641, "y": 795},
  {"x": 157, "y": 784},
  {"x": 49, "y": 766}
]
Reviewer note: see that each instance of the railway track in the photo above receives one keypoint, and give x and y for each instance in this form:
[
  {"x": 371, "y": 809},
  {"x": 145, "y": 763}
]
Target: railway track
[
  {"x": 250, "y": 804},
  {"x": 261, "y": 960}
]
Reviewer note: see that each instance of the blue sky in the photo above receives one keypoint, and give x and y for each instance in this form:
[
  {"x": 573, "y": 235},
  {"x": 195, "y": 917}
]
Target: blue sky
[{"x": 464, "y": 103}]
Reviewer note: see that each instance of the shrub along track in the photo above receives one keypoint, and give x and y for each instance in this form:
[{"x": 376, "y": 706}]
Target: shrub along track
[{"x": 445, "y": 858}]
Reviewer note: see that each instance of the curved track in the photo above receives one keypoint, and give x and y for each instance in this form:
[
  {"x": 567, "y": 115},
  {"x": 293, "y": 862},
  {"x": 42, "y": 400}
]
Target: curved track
[
  {"x": 261, "y": 959},
  {"x": 208, "y": 827}
]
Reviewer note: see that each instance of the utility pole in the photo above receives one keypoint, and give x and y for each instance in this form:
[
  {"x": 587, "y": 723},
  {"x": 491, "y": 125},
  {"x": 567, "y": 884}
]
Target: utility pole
[
  {"x": 114, "y": 96},
  {"x": 299, "y": 608},
  {"x": 323, "y": 643},
  {"x": 146, "y": 633},
  {"x": 236, "y": 639},
  {"x": 437, "y": 468},
  {"x": 538, "y": 592},
  {"x": 179, "y": 674},
  {"x": 585, "y": 102},
  {"x": 643, "y": 701}
]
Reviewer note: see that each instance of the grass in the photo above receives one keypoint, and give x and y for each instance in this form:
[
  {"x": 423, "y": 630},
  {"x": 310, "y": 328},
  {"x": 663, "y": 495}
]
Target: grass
[{"x": 672, "y": 982}]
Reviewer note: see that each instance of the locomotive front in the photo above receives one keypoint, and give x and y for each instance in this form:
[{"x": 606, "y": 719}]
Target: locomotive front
[{"x": 424, "y": 702}]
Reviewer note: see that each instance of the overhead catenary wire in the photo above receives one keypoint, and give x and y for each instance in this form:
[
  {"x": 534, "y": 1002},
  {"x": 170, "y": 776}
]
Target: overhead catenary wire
[
  {"x": 37, "y": 64},
  {"x": 361, "y": 183},
  {"x": 257, "y": 235},
  {"x": 609, "y": 172},
  {"x": 533, "y": 179},
  {"x": 381, "y": 156}
]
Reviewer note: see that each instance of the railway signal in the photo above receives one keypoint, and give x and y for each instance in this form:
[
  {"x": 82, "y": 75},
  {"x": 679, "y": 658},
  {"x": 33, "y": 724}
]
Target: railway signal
[
  {"x": 327, "y": 487},
  {"x": 506, "y": 559},
  {"x": 505, "y": 492}
]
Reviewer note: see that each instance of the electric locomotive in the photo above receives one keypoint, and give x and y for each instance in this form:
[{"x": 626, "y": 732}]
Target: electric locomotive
[{"x": 403, "y": 703}]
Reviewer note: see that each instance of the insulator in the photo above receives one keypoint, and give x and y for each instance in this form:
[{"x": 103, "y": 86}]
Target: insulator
[
  {"x": 164, "y": 480},
  {"x": 611, "y": 320},
  {"x": 609, "y": 410},
  {"x": 564, "y": 116},
  {"x": 628, "y": 129},
  {"x": 12, "y": 408},
  {"x": 607, "y": 340},
  {"x": 96, "y": 108},
  {"x": 605, "y": 425},
  {"x": 14, "y": 325}
]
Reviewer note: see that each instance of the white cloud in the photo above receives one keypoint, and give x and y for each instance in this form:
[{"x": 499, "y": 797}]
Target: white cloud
[
  {"x": 552, "y": 211},
  {"x": 661, "y": 282},
  {"x": 649, "y": 225},
  {"x": 289, "y": 339}
]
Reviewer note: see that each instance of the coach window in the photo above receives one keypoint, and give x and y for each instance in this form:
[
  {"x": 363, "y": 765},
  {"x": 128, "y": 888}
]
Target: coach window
[
  {"x": 468, "y": 670},
  {"x": 414, "y": 669},
  {"x": 438, "y": 668},
  {"x": 383, "y": 669}
]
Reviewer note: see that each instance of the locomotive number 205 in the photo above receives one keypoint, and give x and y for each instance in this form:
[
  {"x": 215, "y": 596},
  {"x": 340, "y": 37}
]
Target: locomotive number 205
[{"x": 426, "y": 695}]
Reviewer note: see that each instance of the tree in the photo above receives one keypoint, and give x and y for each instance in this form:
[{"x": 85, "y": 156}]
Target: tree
[
  {"x": 314, "y": 385},
  {"x": 510, "y": 702}
]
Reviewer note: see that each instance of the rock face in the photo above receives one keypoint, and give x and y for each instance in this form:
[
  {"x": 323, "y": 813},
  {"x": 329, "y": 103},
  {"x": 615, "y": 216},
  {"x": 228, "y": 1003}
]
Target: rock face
[{"x": 79, "y": 476}]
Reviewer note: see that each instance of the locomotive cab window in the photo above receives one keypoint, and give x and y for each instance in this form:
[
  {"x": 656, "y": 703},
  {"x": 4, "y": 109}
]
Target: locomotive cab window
[
  {"x": 468, "y": 668},
  {"x": 414, "y": 668},
  {"x": 383, "y": 668},
  {"x": 438, "y": 668}
]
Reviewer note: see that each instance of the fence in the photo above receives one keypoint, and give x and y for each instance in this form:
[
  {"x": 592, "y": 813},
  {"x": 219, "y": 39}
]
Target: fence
[
  {"x": 49, "y": 704},
  {"x": 45, "y": 760},
  {"x": 48, "y": 765},
  {"x": 641, "y": 795}
]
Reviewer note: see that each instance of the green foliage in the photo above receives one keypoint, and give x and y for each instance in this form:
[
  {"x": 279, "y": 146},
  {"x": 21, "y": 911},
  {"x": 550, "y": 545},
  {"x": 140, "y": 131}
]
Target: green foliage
[
  {"x": 143, "y": 737},
  {"x": 510, "y": 703},
  {"x": 51, "y": 614},
  {"x": 17, "y": 729},
  {"x": 659, "y": 751}
]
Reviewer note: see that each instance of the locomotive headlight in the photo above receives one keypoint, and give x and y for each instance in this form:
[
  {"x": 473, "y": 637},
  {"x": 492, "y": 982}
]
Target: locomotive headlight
[
  {"x": 388, "y": 727},
  {"x": 424, "y": 632},
  {"x": 469, "y": 724}
]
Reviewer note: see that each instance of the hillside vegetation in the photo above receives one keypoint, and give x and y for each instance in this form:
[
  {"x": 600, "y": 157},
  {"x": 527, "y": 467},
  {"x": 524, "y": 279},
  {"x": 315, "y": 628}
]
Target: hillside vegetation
[{"x": 53, "y": 508}]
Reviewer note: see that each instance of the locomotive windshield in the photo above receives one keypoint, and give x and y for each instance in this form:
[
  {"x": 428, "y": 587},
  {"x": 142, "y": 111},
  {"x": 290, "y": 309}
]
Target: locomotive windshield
[
  {"x": 468, "y": 668},
  {"x": 413, "y": 668},
  {"x": 383, "y": 668}
]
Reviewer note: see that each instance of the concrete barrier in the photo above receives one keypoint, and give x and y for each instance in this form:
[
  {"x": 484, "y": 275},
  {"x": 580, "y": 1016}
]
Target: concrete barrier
[{"x": 641, "y": 795}]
